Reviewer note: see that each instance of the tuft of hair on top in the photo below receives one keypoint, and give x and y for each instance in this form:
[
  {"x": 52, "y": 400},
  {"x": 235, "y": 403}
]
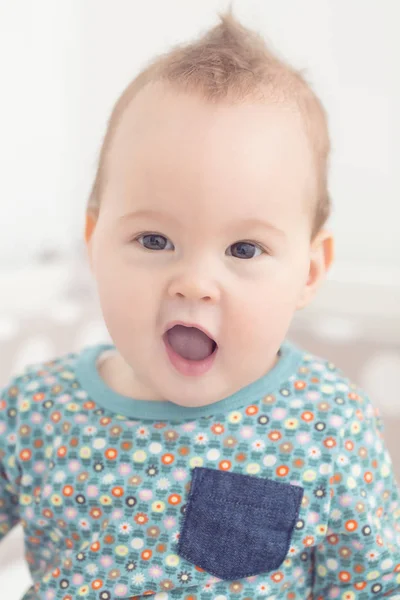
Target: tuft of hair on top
[{"x": 231, "y": 63}]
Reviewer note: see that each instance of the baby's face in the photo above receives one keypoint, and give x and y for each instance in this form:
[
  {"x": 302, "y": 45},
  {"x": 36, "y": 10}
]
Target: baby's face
[{"x": 225, "y": 192}]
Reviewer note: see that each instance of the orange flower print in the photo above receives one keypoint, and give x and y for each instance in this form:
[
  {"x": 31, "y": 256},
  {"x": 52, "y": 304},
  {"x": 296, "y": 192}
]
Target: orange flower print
[
  {"x": 174, "y": 499},
  {"x": 141, "y": 518},
  {"x": 307, "y": 416},
  {"x": 277, "y": 577},
  {"x": 111, "y": 453},
  {"x": 330, "y": 442},
  {"x": 300, "y": 385},
  {"x": 217, "y": 428},
  {"x": 167, "y": 459},
  {"x": 351, "y": 525},
  {"x": 308, "y": 540},
  {"x": 68, "y": 490},
  {"x": 25, "y": 454},
  {"x": 282, "y": 471},
  {"x": 225, "y": 465}
]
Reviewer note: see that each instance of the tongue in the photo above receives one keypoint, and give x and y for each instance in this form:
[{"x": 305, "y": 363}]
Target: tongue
[{"x": 190, "y": 343}]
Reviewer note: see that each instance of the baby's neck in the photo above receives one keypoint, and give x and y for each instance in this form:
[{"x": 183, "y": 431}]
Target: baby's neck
[{"x": 119, "y": 376}]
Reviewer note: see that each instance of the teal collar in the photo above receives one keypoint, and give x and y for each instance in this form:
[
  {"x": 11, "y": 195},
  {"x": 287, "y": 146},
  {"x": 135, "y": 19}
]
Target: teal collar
[{"x": 91, "y": 381}]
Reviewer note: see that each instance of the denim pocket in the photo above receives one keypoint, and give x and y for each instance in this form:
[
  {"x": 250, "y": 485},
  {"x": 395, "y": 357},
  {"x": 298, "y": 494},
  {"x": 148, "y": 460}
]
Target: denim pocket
[{"x": 238, "y": 525}]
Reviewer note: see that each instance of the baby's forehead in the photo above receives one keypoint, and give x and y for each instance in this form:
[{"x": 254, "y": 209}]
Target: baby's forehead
[
  {"x": 151, "y": 106},
  {"x": 175, "y": 146},
  {"x": 161, "y": 119}
]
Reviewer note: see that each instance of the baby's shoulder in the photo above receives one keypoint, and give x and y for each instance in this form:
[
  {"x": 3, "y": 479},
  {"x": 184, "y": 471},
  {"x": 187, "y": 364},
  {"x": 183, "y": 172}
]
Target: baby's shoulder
[
  {"x": 331, "y": 389},
  {"x": 35, "y": 384}
]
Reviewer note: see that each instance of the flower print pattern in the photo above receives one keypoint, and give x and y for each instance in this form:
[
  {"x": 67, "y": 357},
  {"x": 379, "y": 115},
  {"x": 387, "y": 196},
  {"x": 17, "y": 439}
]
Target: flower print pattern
[{"x": 102, "y": 496}]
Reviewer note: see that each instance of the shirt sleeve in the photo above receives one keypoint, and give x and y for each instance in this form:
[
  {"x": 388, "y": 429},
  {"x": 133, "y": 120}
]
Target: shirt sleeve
[
  {"x": 9, "y": 472},
  {"x": 359, "y": 558}
]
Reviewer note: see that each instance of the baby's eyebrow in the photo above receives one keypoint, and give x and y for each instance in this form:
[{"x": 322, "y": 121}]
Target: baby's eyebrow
[
  {"x": 250, "y": 223},
  {"x": 145, "y": 212},
  {"x": 257, "y": 223}
]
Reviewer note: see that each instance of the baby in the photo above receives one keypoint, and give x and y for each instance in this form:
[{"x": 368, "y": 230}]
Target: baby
[{"x": 203, "y": 456}]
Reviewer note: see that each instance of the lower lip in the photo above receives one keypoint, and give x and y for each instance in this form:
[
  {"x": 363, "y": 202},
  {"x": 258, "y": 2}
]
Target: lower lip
[{"x": 189, "y": 367}]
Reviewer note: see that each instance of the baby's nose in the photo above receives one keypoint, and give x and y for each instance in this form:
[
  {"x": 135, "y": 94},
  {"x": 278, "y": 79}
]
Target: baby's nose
[{"x": 192, "y": 286}]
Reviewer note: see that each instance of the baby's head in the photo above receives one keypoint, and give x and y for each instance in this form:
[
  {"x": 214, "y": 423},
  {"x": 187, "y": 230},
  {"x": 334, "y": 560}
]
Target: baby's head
[{"x": 209, "y": 208}]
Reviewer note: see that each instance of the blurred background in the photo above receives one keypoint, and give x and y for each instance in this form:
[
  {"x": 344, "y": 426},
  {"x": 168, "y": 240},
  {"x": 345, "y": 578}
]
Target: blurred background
[{"x": 63, "y": 65}]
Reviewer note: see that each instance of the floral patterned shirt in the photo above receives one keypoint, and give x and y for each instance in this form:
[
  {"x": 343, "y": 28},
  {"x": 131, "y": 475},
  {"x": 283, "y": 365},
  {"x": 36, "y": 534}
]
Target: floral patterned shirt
[{"x": 284, "y": 490}]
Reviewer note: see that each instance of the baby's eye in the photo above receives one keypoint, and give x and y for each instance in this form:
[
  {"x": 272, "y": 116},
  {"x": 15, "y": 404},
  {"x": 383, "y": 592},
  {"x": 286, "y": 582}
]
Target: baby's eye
[
  {"x": 153, "y": 241},
  {"x": 156, "y": 241},
  {"x": 245, "y": 250}
]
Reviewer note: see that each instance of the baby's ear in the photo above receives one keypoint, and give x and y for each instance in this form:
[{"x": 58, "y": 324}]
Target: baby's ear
[
  {"x": 321, "y": 258},
  {"x": 89, "y": 228}
]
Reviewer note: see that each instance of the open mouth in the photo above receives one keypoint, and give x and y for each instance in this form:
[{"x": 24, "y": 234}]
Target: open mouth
[
  {"x": 190, "y": 350},
  {"x": 190, "y": 343}
]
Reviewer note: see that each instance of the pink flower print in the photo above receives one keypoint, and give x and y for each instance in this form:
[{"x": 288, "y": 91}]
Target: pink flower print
[
  {"x": 188, "y": 427},
  {"x": 312, "y": 517},
  {"x": 39, "y": 467},
  {"x": 121, "y": 590},
  {"x": 47, "y": 490},
  {"x": 106, "y": 561},
  {"x": 124, "y": 469},
  {"x": 303, "y": 437},
  {"x": 336, "y": 421},
  {"x": 179, "y": 474},
  {"x": 345, "y": 500},
  {"x": 279, "y": 413},
  {"x": 80, "y": 418},
  {"x": 74, "y": 466},
  {"x": 36, "y": 418},
  {"x": 70, "y": 512},
  {"x": 92, "y": 491},
  {"x": 30, "y": 513},
  {"x": 145, "y": 494},
  {"x": 117, "y": 514},
  {"x": 77, "y": 579},
  {"x": 170, "y": 522},
  {"x": 358, "y": 545},
  {"x": 247, "y": 432},
  {"x": 156, "y": 571},
  {"x": 64, "y": 398}
]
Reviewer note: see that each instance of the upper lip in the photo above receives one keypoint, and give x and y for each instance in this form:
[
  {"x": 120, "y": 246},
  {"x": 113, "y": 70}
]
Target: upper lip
[{"x": 203, "y": 329}]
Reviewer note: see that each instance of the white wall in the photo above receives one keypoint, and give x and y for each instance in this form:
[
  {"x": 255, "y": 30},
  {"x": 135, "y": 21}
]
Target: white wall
[{"x": 65, "y": 63}]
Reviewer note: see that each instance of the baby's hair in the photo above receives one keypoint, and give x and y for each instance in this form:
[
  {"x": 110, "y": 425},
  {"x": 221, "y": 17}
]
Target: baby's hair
[{"x": 233, "y": 64}]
